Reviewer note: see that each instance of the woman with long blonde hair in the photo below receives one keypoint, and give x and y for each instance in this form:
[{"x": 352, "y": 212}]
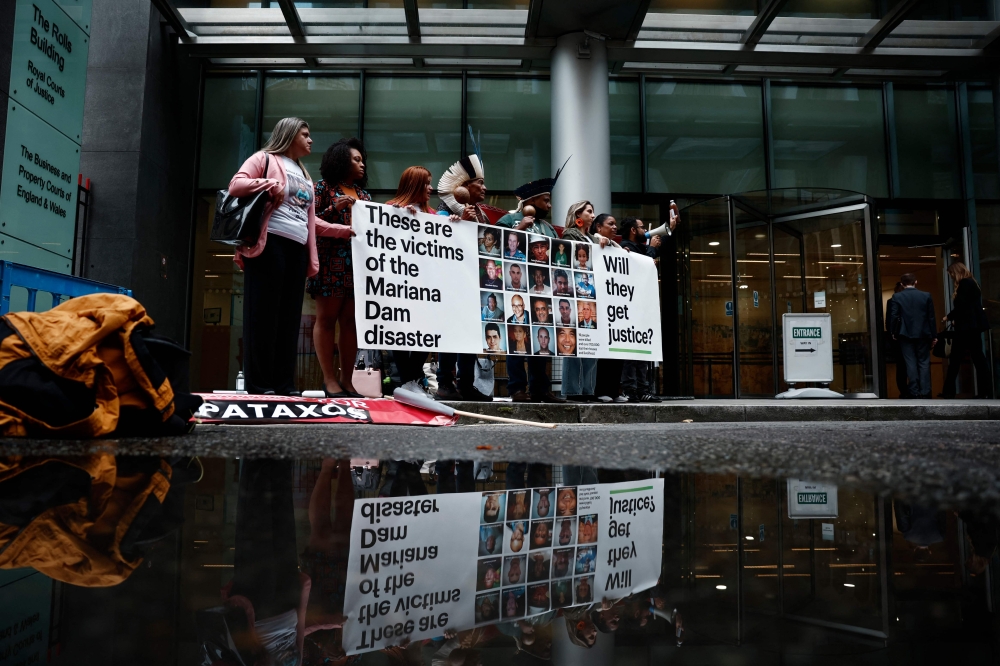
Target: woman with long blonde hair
[
  {"x": 970, "y": 321},
  {"x": 276, "y": 266}
]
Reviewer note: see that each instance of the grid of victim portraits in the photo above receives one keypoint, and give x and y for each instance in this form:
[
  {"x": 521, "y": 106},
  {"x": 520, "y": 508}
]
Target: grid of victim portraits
[
  {"x": 533, "y": 557},
  {"x": 535, "y": 292}
]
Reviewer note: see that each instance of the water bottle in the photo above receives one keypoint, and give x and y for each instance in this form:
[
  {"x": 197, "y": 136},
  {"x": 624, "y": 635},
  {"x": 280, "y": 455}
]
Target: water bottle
[{"x": 240, "y": 382}]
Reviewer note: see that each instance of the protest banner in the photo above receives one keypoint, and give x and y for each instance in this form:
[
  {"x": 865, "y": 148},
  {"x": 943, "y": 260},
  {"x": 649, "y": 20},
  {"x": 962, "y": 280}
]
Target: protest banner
[
  {"x": 419, "y": 566},
  {"x": 240, "y": 408},
  {"x": 425, "y": 283}
]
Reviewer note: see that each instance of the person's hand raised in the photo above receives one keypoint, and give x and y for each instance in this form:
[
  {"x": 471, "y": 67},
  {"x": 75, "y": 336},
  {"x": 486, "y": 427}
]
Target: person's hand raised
[{"x": 655, "y": 241}]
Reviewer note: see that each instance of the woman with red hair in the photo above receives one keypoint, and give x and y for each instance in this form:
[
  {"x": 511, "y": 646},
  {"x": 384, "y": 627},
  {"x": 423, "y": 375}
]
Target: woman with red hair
[{"x": 414, "y": 194}]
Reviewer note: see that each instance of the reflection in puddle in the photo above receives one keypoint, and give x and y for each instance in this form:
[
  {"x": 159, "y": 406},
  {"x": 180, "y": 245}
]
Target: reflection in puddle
[{"x": 223, "y": 561}]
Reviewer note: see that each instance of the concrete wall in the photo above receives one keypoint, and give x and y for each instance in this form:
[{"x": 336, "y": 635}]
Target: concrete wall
[{"x": 139, "y": 130}]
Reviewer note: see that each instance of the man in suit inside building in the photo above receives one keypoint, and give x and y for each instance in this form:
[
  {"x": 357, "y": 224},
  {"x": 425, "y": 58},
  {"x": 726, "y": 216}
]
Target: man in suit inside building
[{"x": 915, "y": 330}]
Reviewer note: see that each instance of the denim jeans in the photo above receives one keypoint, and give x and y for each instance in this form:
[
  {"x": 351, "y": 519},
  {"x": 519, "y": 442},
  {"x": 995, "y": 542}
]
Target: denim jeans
[
  {"x": 635, "y": 377},
  {"x": 916, "y": 353},
  {"x": 579, "y": 375}
]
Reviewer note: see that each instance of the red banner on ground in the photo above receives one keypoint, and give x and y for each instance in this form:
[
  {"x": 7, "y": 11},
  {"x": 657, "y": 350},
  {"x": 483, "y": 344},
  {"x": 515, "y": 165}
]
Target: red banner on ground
[{"x": 244, "y": 409}]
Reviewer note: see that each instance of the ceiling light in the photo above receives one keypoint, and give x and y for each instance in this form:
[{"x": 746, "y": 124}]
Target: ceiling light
[
  {"x": 848, "y": 584},
  {"x": 714, "y": 243},
  {"x": 749, "y": 538},
  {"x": 743, "y": 286},
  {"x": 720, "y": 587},
  {"x": 835, "y": 245}
]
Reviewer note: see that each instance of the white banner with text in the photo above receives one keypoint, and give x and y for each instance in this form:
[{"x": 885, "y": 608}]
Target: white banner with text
[
  {"x": 419, "y": 566},
  {"x": 424, "y": 283}
]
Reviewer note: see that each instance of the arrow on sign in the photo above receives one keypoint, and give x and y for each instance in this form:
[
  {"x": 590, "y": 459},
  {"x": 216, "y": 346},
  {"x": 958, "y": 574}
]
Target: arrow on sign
[{"x": 805, "y": 351}]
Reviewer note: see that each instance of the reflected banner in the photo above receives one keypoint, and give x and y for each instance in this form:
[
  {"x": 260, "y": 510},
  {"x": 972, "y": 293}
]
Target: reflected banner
[
  {"x": 424, "y": 283},
  {"x": 423, "y": 565}
]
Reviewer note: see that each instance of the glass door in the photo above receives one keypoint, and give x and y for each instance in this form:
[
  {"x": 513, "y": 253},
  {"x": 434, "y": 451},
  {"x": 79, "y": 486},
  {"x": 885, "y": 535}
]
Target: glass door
[
  {"x": 834, "y": 255},
  {"x": 754, "y": 316}
]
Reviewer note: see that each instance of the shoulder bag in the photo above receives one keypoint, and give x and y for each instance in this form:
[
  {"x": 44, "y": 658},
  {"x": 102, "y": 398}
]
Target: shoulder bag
[
  {"x": 942, "y": 348},
  {"x": 367, "y": 377},
  {"x": 239, "y": 220}
]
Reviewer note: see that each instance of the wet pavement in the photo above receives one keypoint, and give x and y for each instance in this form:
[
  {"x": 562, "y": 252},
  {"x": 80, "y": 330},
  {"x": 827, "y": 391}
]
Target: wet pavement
[{"x": 765, "y": 543}]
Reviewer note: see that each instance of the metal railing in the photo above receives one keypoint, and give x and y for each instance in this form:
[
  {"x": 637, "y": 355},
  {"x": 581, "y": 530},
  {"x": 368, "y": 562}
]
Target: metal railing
[{"x": 34, "y": 280}]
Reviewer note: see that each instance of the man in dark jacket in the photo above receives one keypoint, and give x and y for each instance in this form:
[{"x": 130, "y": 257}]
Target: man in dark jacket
[
  {"x": 637, "y": 375},
  {"x": 914, "y": 328}
]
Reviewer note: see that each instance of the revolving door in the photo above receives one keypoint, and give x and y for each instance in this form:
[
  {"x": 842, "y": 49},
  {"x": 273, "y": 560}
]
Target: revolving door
[{"x": 744, "y": 260}]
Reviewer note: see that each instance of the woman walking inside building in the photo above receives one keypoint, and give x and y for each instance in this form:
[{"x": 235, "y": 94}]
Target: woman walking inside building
[
  {"x": 970, "y": 321},
  {"x": 275, "y": 268},
  {"x": 344, "y": 177}
]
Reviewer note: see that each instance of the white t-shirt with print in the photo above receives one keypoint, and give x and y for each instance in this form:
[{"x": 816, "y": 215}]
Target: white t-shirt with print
[{"x": 291, "y": 218}]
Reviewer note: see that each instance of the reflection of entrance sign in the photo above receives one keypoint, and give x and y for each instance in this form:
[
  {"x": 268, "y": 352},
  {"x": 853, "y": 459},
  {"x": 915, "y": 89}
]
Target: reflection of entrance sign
[
  {"x": 756, "y": 299},
  {"x": 729, "y": 308},
  {"x": 808, "y": 353},
  {"x": 819, "y": 299},
  {"x": 811, "y": 500}
]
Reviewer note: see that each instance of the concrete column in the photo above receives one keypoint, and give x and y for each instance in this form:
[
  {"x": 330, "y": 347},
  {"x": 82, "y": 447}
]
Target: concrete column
[{"x": 580, "y": 125}]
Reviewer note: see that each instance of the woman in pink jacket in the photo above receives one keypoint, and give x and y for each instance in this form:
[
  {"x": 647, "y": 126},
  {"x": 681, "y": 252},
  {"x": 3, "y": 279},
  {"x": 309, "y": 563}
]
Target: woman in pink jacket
[{"x": 276, "y": 267}]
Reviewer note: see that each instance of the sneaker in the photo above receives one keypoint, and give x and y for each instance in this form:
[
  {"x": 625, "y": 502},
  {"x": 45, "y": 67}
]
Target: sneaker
[
  {"x": 604, "y": 398},
  {"x": 447, "y": 393},
  {"x": 645, "y": 397},
  {"x": 621, "y": 398},
  {"x": 414, "y": 386}
]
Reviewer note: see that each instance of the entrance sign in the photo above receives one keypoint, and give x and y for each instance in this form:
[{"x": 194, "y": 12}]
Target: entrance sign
[
  {"x": 41, "y": 158},
  {"x": 420, "y": 566},
  {"x": 811, "y": 500},
  {"x": 808, "y": 353},
  {"x": 429, "y": 284},
  {"x": 808, "y": 347}
]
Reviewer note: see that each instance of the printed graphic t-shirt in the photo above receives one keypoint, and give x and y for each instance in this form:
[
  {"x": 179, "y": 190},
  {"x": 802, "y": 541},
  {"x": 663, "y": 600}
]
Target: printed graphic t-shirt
[{"x": 291, "y": 218}]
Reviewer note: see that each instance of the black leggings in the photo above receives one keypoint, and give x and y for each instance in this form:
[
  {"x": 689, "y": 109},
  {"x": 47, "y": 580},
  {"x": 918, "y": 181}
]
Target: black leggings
[
  {"x": 968, "y": 343},
  {"x": 273, "y": 284},
  {"x": 266, "y": 560}
]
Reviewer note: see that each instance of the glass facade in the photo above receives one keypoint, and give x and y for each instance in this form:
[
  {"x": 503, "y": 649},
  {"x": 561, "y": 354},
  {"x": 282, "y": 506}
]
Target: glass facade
[
  {"x": 704, "y": 137},
  {"x": 510, "y": 118},
  {"x": 829, "y": 137},
  {"x": 411, "y": 121},
  {"x": 227, "y": 128},
  {"x": 626, "y": 148},
  {"x": 328, "y": 103},
  {"x": 696, "y": 140},
  {"x": 927, "y": 143}
]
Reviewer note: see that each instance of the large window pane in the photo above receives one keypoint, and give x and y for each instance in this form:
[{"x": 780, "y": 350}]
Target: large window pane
[
  {"x": 984, "y": 143},
  {"x": 926, "y": 143},
  {"x": 512, "y": 117},
  {"x": 742, "y": 7},
  {"x": 854, "y": 9},
  {"x": 626, "y": 164},
  {"x": 829, "y": 137},
  {"x": 704, "y": 138},
  {"x": 411, "y": 121},
  {"x": 329, "y": 104},
  {"x": 227, "y": 128}
]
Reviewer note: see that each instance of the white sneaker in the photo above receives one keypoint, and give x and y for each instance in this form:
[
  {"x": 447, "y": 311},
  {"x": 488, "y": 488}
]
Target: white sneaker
[
  {"x": 621, "y": 398},
  {"x": 604, "y": 398},
  {"x": 416, "y": 387}
]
